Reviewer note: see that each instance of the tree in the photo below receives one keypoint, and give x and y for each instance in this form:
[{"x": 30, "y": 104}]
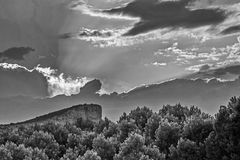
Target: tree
[
  {"x": 176, "y": 133},
  {"x": 194, "y": 111},
  {"x": 38, "y": 154},
  {"x": 185, "y": 150},
  {"x": 123, "y": 117},
  {"x": 151, "y": 127},
  {"x": 5, "y": 154},
  {"x": 144, "y": 157},
  {"x": 132, "y": 148},
  {"x": 15, "y": 137},
  {"x": 197, "y": 129},
  {"x": 167, "y": 134},
  {"x": 71, "y": 154},
  {"x": 18, "y": 152},
  {"x": 140, "y": 116},
  {"x": 177, "y": 111},
  {"x": 125, "y": 128},
  {"x": 225, "y": 140},
  {"x": 111, "y": 131},
  {"x": 213, "y": 149},
  {"x": 154, "y": 153},
  {"x": 72, "y": 128},
  {"x": 89, "y": 155},
  {"x": 104, "y": 148},
  {"x": 59, "y": 132},
  {"x": 101, "y": 125},
  {"x": 44, "y": 141},
  {"x": 84, "y": 124},
  {"x": 87, "y": 139},
  {"x": 75, "y": 142}
]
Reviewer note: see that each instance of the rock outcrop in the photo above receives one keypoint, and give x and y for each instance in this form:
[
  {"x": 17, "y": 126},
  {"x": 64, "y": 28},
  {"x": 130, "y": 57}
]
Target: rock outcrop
[{"x": 92, "y": 112}]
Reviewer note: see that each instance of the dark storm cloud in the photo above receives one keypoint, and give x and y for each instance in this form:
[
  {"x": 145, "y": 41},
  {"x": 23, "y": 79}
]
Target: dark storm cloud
[
  {"x": 157, "y": 14},
  {"x": 229, "y": 69},
  {"x": 231, "y": 30},
  {"x": 204, "y": 68},
  {"x": 91, "y": 87},
  {"x": 15, "y": 53},
  {"x": 67, "y": 35},
  {"x": 225, "y": 73},
  {"x": 87, "y": 33}
]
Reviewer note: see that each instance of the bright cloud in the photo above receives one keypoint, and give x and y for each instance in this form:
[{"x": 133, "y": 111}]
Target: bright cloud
[
  {"x": 219, "y": 57},
  {"x": 159, "y": 64},
  {"x": 189, "y": 54},
  {"x": 227, "y": 55},
  {"x": 86, "y": 9},
  {"x": 58, "y": 84}
]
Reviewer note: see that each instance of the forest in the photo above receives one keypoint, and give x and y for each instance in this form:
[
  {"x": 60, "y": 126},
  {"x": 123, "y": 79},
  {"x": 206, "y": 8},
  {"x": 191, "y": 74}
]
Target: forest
[{"x": 173, "y": 133}]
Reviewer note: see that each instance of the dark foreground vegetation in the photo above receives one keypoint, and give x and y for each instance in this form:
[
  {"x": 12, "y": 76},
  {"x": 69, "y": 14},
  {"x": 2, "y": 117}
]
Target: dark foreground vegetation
[{"x": 174, "y": 133}]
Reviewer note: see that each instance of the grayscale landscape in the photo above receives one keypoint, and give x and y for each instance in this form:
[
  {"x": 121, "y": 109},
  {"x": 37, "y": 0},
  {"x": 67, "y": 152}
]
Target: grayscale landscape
[{"x": 119, "y": 79}]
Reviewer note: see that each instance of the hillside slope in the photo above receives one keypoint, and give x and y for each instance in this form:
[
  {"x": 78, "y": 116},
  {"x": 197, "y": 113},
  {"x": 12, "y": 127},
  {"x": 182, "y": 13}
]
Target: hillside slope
[{"x": 92, "y": 112}]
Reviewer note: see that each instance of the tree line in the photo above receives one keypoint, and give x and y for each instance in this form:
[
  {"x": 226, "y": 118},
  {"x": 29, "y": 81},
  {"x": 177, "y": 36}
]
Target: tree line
[{"x": 173, "y": 133}]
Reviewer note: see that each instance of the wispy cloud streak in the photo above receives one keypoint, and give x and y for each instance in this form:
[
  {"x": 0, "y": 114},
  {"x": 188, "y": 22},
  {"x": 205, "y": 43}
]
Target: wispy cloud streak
[{"x": 86, "y": 9}]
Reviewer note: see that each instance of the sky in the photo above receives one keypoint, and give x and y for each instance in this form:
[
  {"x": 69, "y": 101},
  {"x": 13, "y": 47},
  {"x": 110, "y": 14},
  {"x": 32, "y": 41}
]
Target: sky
[{"x": 54, "y": 47}]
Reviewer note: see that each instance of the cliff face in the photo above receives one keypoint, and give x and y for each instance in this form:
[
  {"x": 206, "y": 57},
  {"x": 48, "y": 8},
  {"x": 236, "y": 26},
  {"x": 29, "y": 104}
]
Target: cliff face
[
  {"x": 86, "y": 112},
  {"x": 92, "y": 112}
]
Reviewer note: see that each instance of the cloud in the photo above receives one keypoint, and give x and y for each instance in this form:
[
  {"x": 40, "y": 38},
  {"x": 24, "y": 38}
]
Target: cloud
[
  {"x": 113, "y": 37},
  {"x": 15, "y": 53},
  {"x": 159, "y": 64},
  {"x": 91, "y": 87},
  {"x": 232, "y": 54},
  {"x": 221, "y": 57},
  {"x": 88, "y": 33},
  {"x": 102, "y": 38},
  {"x": 223, "y": 74},
  {"x": 86, "y": 9},
  {"x": 155, "y": 14},
  {"x": 160, "y": 20},
  {"x": 58, "y": 84},
  {"x": 199, "y": 67},
  {"x": 204, "y": 67},
  {"x": 231, "y": 30},
  {"x": 13, "y": 66},
  {"x": 188, "y": 55},
  {"x": 235, "y": 69}
]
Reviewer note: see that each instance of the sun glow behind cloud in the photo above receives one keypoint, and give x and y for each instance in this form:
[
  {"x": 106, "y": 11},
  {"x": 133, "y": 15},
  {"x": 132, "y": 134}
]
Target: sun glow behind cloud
[
  {"x": 58, "y": 84},
  {"x": 109, "y": 33}
]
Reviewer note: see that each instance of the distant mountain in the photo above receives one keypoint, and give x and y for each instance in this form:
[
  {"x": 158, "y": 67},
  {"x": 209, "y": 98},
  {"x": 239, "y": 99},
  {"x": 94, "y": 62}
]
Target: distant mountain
[
  {"x": 188, "y": 90},
  {"x": 92, "y": 112}
]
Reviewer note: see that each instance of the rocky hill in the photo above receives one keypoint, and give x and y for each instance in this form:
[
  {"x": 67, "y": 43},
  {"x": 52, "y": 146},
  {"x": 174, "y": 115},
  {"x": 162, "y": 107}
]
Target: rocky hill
[{"x": 92, "y": 112}]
